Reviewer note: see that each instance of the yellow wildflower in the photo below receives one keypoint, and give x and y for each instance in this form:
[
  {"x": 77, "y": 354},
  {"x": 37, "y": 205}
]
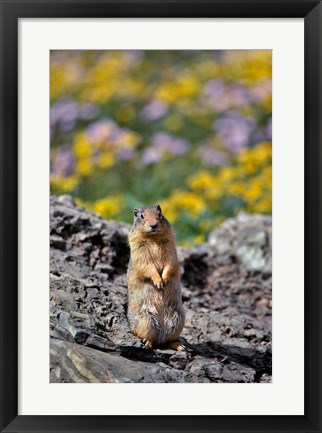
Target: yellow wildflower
[
  {"x": 236, "y": 188},
  {"x": 82, "y": 147},
  {"x": 109, "y": 206},
  {"x": 208, "y": 69},
  {"x": 128, "y": 139},
  {"x": 247, "y": 67},
  {"x": 255, "y": 156},
  {"x": 84, "y": 167},
  {"x": 264, "y": 205},
  {"x": 183, "y": 87},
  {"x": 106, "y": 160},
  {"x": 253, "y": 191},
  {"x": 100, "y": 93},
  {"x": 64, "y": 184},
  {"x": 130, "y": 88},
  {"x": 201, "y": 180},
  {"x": 227, "y": 174},
  {"x": 184, "y": 201},
  {"x": 250, "y": 167},
  {"x": 267, "y": 103},
  {"x": 169, "y": 210},
  {"x": 199, "y": 239}
]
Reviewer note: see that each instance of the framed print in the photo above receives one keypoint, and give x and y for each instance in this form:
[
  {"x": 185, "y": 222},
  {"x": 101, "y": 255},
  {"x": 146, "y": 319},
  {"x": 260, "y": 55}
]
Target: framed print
[{"x": 160, "y": 172}]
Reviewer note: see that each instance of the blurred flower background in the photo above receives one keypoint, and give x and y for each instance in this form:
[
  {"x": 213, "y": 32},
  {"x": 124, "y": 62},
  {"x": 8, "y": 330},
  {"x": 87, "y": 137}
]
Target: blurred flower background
[{"x": 189, "y": 130}]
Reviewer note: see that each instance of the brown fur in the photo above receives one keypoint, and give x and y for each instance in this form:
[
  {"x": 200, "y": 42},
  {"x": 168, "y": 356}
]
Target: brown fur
[{"x": 154, "y": 291}]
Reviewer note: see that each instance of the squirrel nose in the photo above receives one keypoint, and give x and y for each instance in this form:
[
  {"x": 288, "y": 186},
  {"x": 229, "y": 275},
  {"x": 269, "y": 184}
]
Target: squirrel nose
[{"x": 154, "y": 226}]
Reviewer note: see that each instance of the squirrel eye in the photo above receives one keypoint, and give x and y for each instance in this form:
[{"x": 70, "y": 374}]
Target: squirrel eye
[{"x": 142, "y": 216}]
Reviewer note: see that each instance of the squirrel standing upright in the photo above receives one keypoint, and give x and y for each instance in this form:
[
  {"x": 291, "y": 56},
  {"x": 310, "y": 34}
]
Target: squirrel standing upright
[{"x": 155, "y": 309}]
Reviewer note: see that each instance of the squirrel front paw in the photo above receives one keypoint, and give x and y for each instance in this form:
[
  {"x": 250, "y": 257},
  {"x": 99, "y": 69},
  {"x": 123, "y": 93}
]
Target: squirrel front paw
[
  {"x": 166, "y": 274},
  {"x": 158, "y": 282}
]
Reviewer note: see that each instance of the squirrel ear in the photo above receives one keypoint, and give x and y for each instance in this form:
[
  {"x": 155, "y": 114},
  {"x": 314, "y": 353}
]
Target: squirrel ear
[
  {"x": 135, "y": 212},
  {"x": 159, "y": 208}
]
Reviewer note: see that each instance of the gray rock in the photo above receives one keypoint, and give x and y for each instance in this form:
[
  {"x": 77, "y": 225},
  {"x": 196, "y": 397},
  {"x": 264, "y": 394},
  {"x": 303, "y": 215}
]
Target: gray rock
[{"x": 248, "y": 239}]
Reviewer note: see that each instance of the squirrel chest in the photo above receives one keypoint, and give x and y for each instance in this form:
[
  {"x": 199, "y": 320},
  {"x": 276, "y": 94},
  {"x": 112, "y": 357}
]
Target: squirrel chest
[{"x": 150, "y": 253}]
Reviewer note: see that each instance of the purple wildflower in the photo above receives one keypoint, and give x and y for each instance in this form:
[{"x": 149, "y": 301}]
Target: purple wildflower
[
  {"x": 125, "y": 153},
  {"x": 100, "y": 130},
  {"x": 234, "y": 130},
  {"x": 64, "y": 114},
  {"x": 222, "y": 97},
  {"x": 212, "y": 157},
  {"x": 168, "y": 143},
  {"x": 164, "y": 144},
  {"x": 88, "y": 111},
  {"x": 133, "y": 56},
  {"x": 153, "y": 111},
  {"x": 261, "y": 90},
  {"x": 269, "y": 129},
  {"x": 151, "y": 155},
  {"x": 63, "y": 162},
  {"x": 240, "y": 96}
]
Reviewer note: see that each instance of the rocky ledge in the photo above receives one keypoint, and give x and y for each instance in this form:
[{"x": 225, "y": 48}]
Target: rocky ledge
[{"x": 226, "y": 289}]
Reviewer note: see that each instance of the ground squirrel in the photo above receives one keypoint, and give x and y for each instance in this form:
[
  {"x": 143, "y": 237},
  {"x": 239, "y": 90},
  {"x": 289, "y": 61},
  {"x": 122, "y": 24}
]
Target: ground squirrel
[{"x": 155, "y": 309}]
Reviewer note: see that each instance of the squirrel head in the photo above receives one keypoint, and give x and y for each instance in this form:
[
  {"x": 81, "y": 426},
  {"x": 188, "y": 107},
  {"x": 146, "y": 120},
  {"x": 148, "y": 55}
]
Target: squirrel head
[{"x": 149, "y": 221}]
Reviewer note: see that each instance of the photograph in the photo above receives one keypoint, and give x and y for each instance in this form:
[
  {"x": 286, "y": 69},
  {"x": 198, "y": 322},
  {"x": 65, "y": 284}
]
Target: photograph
[
  {"x": 147, "y": 149},
  {"x": 161, "y": 216}
]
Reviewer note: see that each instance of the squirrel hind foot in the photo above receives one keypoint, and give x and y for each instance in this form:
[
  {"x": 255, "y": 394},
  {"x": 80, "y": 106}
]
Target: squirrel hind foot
[
  {"x": 176, "y": 345},
  {"x": 147, "y": 344}
]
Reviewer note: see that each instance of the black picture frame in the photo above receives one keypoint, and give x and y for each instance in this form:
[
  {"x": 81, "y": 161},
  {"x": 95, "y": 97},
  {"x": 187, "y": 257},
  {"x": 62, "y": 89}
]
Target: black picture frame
[{"x": 11, "y": 11}]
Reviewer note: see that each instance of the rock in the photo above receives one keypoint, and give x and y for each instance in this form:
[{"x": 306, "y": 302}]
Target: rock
[
  {"x": 226, "y": 293},
  {"x": 235, "y": 373},
  {"x": 248, "y": 239},
  {"x": 266, "y": 378},
  {"x": 66, "y": 200},
  {"x": 57, "y": 242},
  {"x": 178, "y": 360}
]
